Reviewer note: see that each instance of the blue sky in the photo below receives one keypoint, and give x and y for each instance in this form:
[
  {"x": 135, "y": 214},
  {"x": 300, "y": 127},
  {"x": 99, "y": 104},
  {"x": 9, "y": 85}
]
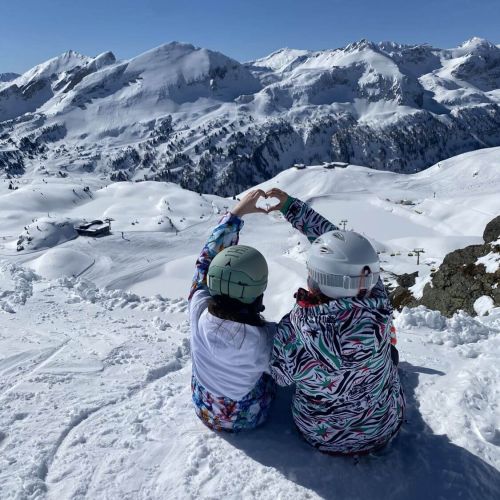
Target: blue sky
[{"x": 32, "y": 31}]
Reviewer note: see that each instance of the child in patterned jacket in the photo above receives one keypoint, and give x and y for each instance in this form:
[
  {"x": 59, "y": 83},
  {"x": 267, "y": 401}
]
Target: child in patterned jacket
[
  {"x": 335, "y": 344},
  {"x": 231, "y": 343}
]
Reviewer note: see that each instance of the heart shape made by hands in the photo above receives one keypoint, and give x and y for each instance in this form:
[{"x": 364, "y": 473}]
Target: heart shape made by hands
[{"x": 267, "y": 204}]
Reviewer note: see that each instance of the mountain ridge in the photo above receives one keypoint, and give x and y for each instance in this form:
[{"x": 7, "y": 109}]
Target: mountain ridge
[{"x": 197, "y": 117}]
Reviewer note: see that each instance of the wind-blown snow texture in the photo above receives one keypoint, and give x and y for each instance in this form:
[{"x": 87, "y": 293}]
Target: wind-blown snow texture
[
  {"x": 94, "y": 342},
  {"x": 197, "y": 117}
]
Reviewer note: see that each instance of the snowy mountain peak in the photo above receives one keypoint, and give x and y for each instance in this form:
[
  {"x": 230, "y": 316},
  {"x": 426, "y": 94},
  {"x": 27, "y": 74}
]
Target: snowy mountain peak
[
  {"x": 387, "y": 45},
  {"x": 280, "y": 59},
  {"x": 185, "y": 73},
  {"x": 174, "y": 52},
  {"x": 477, "y": 61},
  {"x": 8, "y": 77},
  {"x": 404, "y": 48},
  {"x": 171, "y": 48},
  {"x": 477, "y": 43},
  {"x": 105, "y": 59},
  {"x": 57, "y": 65},
  {"x": 182, "y": 59},
  {"x": 362, "y": 44},
  {"x": 475, "y": 46},
  {"x": 195, "y": 116}
]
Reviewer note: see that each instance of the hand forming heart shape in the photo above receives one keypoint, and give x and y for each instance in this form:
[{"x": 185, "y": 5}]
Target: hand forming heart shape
[{"x": 258, "y": 201}]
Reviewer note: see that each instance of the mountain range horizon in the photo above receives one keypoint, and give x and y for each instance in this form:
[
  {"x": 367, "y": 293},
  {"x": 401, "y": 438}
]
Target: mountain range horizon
[
  {"x": 270, "y": 53},
  {"x": 210, "y": 123}
]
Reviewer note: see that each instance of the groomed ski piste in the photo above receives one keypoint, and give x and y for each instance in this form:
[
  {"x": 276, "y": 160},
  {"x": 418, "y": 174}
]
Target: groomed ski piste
[{"x": 95, "y": 365}]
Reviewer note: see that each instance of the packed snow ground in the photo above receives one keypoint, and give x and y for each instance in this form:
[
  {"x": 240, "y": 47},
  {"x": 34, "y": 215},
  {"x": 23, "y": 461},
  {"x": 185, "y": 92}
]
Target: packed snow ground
[{"x": 94, "y": 342}]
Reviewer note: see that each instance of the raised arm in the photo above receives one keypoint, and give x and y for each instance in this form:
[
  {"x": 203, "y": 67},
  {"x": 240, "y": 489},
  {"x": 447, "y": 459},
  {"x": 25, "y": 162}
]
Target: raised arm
[
  {"x": 284, "y": 353},
  {"x": 224, "y": 235},
  {"x": 301, "y": 216}
]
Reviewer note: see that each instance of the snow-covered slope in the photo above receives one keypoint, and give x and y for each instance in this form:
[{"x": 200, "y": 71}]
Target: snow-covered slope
[
  {"x": 30, "y": 91},
  {"x": 94, "y": 341},
  {"x": 201, "y": 119}
]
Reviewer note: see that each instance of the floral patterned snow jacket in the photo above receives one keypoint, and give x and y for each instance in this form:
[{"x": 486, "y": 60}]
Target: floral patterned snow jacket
[{"x": 348, "y": 397}]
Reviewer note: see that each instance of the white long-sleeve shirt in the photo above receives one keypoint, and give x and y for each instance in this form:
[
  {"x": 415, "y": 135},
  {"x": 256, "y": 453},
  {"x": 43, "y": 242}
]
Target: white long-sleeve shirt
[{"x": 228, "y": 357}]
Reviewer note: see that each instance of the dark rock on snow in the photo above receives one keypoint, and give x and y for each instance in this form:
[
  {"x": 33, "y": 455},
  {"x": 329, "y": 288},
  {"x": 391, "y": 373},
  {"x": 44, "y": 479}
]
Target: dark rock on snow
[
  {"x": 401, "y": 297},
  {"x": 459, "y": 281},
  {"x": 492, "y": 230},
  {"x": 407, "y": 280}
]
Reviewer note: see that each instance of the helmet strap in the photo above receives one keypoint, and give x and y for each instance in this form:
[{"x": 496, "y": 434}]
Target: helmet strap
[{"x": 313, "y": 285}]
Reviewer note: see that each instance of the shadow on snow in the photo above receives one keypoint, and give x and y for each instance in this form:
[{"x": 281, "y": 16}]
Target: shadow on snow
[{"x": 417, "y": 464}]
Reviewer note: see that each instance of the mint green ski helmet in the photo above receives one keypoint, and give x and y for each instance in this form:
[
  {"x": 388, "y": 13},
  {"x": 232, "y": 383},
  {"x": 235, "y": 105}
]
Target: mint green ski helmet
[{"x": 240, "y": 272}]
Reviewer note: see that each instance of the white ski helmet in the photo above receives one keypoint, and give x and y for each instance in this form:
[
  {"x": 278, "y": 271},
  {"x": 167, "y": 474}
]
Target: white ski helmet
[{"x": 342, "y": 263}]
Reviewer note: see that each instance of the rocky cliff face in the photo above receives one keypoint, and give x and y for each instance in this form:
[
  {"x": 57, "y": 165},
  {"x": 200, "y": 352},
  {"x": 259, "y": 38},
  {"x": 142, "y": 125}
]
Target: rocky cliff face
[
  {"x": 412, "y": 142},
  {"x": 466, "y": 276},
  {"x": 199, "y": 118}
]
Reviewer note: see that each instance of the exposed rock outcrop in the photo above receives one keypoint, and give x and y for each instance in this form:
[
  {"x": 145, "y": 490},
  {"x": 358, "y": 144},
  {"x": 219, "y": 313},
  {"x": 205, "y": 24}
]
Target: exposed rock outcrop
[
  {"x": 464, "y": 276},
  {"x": 461, "y": 280},
  {"x": 401, "y": 297},
  {"x": 492, "y": 230},
  {"x": 407, "y": 280}
]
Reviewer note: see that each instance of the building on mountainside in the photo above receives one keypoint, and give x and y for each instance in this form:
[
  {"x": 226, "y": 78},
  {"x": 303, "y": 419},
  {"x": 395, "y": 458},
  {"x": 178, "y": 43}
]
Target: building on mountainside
[
  {"x": 333, "y": 164},
  {"x": 95, "y": 228}
]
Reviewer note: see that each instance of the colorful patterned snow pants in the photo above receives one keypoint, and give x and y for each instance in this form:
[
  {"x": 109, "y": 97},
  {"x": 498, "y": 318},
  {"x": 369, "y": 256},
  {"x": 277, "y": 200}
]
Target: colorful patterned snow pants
[{"x": 225, "y": 414}]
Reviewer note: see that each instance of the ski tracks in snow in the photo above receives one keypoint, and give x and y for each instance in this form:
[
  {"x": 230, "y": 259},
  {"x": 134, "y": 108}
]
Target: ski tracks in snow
[
  {"x": 110, "y": 351},
  {"x": 14, "y": 365},
  {"x": 105, "y": 442}
]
